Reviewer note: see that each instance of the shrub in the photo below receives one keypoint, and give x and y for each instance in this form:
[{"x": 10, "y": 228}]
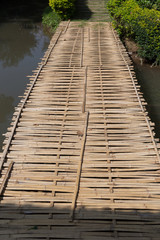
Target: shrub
[
  {"x": 50, "y": 18},
  {"x": 65, "y": 8},
  {"x": 148, "y": 34},
  {"x": 126, "y": 17},
  {"x": 145, "y": 3},
  {"x": 142, "y": 25}
]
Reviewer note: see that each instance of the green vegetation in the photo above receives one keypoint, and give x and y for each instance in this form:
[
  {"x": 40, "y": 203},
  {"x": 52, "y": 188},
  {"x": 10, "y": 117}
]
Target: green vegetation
[
  {"x": 155, "y": 4},
  {"x": 50, "y": 19},
  {"x": 58, "y": 10},
  {"x": 140, "y": 24},
  {"x": 65, "y": 8}
]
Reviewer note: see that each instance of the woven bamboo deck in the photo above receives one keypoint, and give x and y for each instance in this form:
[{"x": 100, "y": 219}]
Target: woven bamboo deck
[{"x": 80, "y": 160}]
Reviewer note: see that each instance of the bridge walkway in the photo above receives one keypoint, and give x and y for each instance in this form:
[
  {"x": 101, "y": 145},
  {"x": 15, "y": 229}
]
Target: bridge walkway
[{"x": 80, "y": 159}]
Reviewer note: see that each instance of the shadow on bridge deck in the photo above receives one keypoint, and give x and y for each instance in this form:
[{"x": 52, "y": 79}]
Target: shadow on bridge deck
[{"x": 32, "y": 222}]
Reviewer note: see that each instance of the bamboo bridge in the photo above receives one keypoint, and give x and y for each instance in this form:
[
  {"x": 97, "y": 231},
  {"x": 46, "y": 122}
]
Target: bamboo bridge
[{"x": 80, "y": 159}]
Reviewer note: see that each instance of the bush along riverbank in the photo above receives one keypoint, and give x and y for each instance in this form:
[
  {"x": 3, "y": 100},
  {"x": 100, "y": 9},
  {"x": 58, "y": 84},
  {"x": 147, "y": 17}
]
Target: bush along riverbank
[
  {"x": 50, "y": 19},
  {"x": 140, "y": 24},
  {"x": 64, "y": 8},
  {"x": 58, "y": 10}
]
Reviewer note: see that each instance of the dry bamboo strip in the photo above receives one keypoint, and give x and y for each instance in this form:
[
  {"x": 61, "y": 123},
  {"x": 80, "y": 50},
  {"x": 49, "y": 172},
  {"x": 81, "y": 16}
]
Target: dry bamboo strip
[
  {"x": 60, "y": 139},
  {"x": 84, "y": 91},
  {"x": 82, "y": 46},
  {"x": 108, "y": 151},
  {"x": 77, "y": 185},
  {"x": 139, "y": 100},
  {"x": 99, "y": 46},
  {"x": 67, "y": 26},
  {"x": 73, "y": 48},
  {"x": 89, "y": 31},
  {"x": 6, "y": 177}
]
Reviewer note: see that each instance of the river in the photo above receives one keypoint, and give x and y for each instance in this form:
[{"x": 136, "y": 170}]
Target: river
[{"x": 22, "y": 44}]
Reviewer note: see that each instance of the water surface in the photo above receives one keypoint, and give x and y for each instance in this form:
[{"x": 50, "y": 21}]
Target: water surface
[
  {"x": 149, "y": 79},
  {"x": 22, "y": 44}
]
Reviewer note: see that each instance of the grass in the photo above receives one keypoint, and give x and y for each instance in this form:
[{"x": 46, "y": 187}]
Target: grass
[{"x": 83, "y": 24}]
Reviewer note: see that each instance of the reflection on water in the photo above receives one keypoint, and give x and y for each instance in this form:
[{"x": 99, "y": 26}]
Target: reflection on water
[
  {"x": 6, "y": 106},
  {"x": 22, "y": 44},
  {"x": 149, "y": 79},
  {"x": 12, "y": 51},
  {"x": 6, "y": 110}
]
